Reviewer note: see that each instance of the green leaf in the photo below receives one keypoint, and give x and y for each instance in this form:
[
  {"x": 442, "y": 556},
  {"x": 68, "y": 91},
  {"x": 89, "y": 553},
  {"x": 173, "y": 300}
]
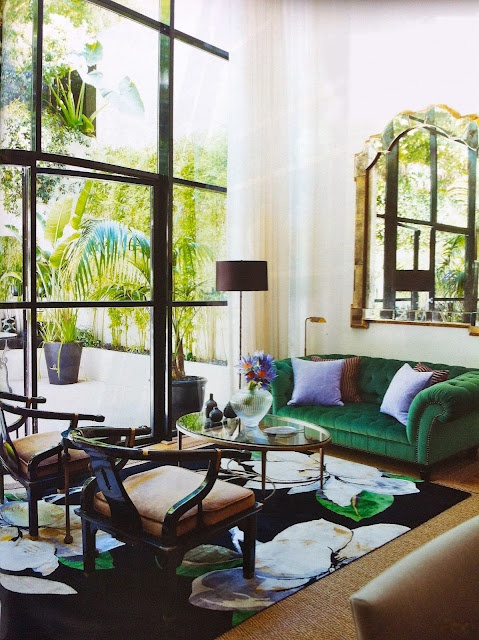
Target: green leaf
[
  {"x": 193, "y": 571},
  {"x": 364, "y": 505},
  {"x": 92, "y": 53},
  {"x": 400, "y": 477},
  {"x": 81, "y": 204},
  {"x": 127, "y": 100},
  {"x": 57, "y": 219},
  {"x": 241, "y": 616},
  {"x": 59, "y": 254},
  {"x": 102, "y": 561}
]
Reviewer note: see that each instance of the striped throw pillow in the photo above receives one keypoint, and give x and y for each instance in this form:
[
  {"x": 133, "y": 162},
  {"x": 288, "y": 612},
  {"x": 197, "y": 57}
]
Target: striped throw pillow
[
  {"x": 349, "y": 378},
  {"x": 438, "y": 375}
]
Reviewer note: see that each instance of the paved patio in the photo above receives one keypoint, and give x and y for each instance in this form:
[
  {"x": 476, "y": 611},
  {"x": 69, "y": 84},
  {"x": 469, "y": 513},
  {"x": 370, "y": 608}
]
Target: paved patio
[{"x": 116, "y": 385}]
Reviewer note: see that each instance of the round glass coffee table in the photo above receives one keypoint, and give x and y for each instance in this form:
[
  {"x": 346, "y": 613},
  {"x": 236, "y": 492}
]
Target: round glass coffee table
[{"x": 274, "y": 433}]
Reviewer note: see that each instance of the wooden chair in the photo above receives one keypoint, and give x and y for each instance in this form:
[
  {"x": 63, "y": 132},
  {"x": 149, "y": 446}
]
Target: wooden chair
[
  {"x": 168, "y": 509},
  {"x": 38, "y": 461}
]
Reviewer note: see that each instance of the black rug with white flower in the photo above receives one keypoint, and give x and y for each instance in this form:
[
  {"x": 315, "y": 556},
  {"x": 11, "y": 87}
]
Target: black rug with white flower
[{"x": 304, "y": 534}]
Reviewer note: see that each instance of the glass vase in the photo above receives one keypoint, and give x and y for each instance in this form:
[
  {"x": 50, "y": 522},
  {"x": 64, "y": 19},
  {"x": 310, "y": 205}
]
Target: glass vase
[{"x": 251, "y": 405}]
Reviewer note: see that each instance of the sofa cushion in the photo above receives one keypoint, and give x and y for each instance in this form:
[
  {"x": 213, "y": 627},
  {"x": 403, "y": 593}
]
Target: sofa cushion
[
  {"x": 349, "y": 378},
  {"x": 362, "y": 419},
  {"x": 438, "y": 375},
  {"x": 404, "y": 387},
  {"x": 317, "y": 382}
]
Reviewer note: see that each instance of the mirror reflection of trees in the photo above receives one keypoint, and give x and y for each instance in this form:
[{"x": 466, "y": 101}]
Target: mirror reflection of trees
[{"x": 416, "y": 220}]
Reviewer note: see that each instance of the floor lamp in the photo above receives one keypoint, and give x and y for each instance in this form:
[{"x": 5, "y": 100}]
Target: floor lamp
[
  {"x": 241, "y": 275},
  {"x": 310, "y": 319}
]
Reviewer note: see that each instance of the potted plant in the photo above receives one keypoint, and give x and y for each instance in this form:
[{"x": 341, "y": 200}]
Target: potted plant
[
  {"x": 189, "y": 256},
  {"x": 58, "y": 329}
]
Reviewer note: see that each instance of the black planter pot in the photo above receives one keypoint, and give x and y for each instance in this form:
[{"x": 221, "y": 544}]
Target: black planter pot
[
  {"x": 187, "y": 396},
  {"x": 63, "y": 361}
]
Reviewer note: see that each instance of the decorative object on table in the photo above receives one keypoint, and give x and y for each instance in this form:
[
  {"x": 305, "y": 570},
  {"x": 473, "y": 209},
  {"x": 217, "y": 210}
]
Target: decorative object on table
[
  {"x": 216, "y": 415},
  {"x": 210, "y": 405},
  {"x": 314, "y": 319},
  {"x": 241, "y": 275},
  {"x": 253, "y": 402},
  {"x": 228, "y": 411}
]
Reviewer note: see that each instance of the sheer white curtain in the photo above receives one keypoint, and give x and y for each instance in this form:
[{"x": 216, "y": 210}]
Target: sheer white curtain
[{"x": 276, "y": 143}]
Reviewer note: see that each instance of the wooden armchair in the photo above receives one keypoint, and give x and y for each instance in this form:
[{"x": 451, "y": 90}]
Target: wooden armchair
[
  {"x": 38, "y": 461},
  {"x": 168, "y": 509}
]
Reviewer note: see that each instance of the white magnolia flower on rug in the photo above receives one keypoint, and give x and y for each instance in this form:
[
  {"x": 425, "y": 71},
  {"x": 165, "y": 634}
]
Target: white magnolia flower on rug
[
  {"x": 51, "y": 522},
  {"x": 20, "y": 554},
  {"x": 285, "y": 469},
  {"x": 302, "y": 553}
]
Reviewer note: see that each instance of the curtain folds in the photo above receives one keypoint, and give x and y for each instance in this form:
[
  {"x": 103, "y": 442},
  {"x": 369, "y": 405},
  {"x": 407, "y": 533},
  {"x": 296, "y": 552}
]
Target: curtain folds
[{"x": 274, "y": 162}]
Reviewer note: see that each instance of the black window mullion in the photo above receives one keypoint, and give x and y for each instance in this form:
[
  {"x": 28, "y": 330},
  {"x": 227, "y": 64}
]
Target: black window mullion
[
  {"x": 433, "y": 210},
  {"x": 470, "y": 285},
  {"x": 36, "y": 106},
  {"x": 390, "y": 227}
]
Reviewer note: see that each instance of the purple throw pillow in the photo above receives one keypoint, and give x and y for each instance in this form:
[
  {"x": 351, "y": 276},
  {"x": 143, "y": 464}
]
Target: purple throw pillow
[{"x": 317, "y": 382}]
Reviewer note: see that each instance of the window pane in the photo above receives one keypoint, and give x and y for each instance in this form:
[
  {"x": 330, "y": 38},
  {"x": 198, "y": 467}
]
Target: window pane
[
  {"x": 450, "y": 265},
  {"x": 12, "y": 345},
  {"x": 16, "y": 75},
  {"x": 100, "y": 80},
  {"x": 156, "y": 9},
  {"x": 207, "y": 20},
  {"x": 414, "y": 176},
  {"x": 114, "y": 365},
  {"x": 200, "y": 116},
  {"x": 93, "y": 240},
  {"x": 376, "y": 266},
  {"x": 413, "y": 247},
  {"x": 204, "y": 333},
  {"x": 198, "y": 241},
  {"x": 11, "y": 253},
  {"x": 452, "y": 182}
]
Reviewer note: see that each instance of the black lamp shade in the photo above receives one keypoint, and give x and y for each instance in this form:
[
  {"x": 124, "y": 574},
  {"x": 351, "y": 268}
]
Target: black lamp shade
[{"x": 242, "y": 275}]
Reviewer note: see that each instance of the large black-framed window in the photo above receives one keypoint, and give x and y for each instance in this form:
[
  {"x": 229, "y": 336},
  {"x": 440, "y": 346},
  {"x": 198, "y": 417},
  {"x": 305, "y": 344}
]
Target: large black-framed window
[{"x": 49, "y": 168}]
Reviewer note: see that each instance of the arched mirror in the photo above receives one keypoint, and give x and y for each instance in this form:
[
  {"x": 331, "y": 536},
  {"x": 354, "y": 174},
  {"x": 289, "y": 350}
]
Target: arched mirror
[{"x": 416, "y": 212}]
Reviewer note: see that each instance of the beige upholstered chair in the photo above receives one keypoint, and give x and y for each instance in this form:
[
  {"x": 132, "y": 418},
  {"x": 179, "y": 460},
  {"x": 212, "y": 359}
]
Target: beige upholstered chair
[
  {"x": 37, "y": 461},
  {"x": 168, "y": 509},
  {"x": 431, "y": 594}
]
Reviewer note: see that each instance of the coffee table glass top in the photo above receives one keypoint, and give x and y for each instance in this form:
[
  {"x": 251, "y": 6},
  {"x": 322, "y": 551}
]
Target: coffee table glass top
[{"x": 273, "y": 432}]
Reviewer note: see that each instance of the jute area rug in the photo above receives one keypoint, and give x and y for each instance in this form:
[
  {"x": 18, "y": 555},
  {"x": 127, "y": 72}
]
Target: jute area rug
[{"x": 321, "y": 611}]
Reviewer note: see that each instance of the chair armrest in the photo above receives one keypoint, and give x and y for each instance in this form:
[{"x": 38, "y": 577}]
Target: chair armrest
[
  {"x": 73, "y": 418},
  {"x": 443, "y": 402},
  {"x": 28, "y": 400},
  {"x": 38, "y": 458},
  {"x": 103, "y": 456}
]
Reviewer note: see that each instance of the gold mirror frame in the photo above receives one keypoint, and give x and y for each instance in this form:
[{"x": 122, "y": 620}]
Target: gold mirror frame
[{"x": 464, "y": 129}]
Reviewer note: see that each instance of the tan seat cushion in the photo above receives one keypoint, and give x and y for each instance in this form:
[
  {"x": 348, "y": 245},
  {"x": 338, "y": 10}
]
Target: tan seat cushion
[
  {"x": 153, "y": 492},
  {"x": 29, "y": 446}
]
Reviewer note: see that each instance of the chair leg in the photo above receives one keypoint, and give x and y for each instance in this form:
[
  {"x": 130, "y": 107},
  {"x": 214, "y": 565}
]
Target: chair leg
[
  {"x": 2, "y": 485},
  {"x": 169, "y": 564},
  {"x": 89, "y": 546},
  {"x": 249, "y": 546},
  {"x": 32, "y": 515}
]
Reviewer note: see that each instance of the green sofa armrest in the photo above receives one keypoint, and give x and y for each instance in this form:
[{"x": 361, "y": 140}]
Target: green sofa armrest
[
  {"x": 282, "y": 386},
  {"x": 443, "y": 402}
]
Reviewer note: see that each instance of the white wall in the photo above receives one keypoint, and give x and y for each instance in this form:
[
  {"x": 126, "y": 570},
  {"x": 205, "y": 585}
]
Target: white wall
[{"x": 401, "y": 56}]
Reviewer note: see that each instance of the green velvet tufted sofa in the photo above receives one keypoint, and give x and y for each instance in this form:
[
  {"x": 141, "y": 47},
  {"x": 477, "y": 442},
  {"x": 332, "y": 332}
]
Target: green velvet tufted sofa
[{"x": 443, "y": 419}]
